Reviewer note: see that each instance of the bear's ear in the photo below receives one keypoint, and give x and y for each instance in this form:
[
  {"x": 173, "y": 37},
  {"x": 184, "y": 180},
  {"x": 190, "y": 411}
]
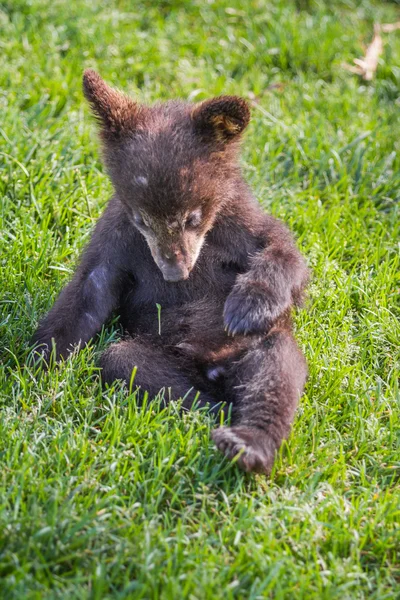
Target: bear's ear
[
  {"x": 223, "y": 118},
  {"x": 116, "y": 113}
]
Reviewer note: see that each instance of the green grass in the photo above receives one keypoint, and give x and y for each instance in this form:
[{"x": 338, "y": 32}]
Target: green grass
[{"x": 100, "y": 498}]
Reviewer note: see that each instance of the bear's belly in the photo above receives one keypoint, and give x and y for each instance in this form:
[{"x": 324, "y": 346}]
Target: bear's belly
[
  {"x": 188, "y": 321},
  {"x": 179, "y": 310}
]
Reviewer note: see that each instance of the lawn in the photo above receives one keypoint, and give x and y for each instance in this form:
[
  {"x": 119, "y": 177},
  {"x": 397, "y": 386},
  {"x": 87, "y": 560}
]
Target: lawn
[{"x": 102, "y": 498}]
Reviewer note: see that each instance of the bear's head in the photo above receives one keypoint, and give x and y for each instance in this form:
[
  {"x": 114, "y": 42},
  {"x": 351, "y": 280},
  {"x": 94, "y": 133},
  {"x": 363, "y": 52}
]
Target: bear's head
[{"x": 173, "y": 166}]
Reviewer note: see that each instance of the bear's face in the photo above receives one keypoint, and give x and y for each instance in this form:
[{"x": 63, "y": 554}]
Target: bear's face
[
  {"x": 173, "y": 166},
  {"x": 172, "y": 186},
  {"x": 174, "y": 243}
]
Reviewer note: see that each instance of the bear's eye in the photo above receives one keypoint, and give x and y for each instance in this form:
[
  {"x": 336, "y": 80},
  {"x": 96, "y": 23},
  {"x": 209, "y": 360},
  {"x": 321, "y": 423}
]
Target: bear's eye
[
  {"x": 194, "y": 219},
  {"x": 140, "y": 221}
]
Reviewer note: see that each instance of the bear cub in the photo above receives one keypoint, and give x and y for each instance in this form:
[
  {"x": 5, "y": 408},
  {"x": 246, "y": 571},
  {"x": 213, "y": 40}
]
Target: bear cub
[{"x": 183, "y": 231}]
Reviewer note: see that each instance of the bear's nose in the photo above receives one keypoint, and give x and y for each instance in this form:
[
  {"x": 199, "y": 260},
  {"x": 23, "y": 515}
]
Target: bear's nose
[{"x": 173, "y": 254}]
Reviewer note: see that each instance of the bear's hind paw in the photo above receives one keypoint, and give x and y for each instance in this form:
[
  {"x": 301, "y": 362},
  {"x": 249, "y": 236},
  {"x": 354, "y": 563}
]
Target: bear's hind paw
[{"x": 253, "y": 448}]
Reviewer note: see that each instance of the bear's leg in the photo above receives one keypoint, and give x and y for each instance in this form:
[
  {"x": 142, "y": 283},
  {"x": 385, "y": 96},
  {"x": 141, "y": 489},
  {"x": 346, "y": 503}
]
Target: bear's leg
[
  {"x": 157, "y": 369},
  {"x": 264, "y": 384}
]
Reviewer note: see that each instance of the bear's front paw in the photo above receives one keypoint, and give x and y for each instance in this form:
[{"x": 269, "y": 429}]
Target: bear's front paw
[
  {"x": 40, "y": 352},
  {"x": 249, "y": 311},
  {"x": 254, "y": 449},
  {"x": 47, "y": 351}
]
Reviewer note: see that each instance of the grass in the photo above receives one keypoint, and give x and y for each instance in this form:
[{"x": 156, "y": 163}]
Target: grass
[{"x": 100, "y": 498}]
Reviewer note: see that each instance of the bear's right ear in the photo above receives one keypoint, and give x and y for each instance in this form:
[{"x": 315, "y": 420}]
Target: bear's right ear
[
  {"x": 223, "y": 118},
  {"x": 116, "y": 113}
]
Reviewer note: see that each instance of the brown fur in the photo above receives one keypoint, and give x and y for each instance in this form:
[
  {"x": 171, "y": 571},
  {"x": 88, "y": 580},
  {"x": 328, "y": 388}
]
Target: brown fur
[{"x": 183, "y": 231}]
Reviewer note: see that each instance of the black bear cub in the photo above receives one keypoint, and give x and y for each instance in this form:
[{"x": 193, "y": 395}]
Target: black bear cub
[{"x": 184, "y": 232}]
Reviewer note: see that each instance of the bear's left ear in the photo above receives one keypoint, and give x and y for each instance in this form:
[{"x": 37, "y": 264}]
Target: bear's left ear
[{"x": 224, "y": 117}]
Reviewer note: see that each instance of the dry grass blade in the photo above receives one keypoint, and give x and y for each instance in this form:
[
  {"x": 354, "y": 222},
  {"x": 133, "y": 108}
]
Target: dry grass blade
[
  {"x": 389, "y": 27},
  {"x": 369, "y": 63},
  {"x": 366, "y": 67}
]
